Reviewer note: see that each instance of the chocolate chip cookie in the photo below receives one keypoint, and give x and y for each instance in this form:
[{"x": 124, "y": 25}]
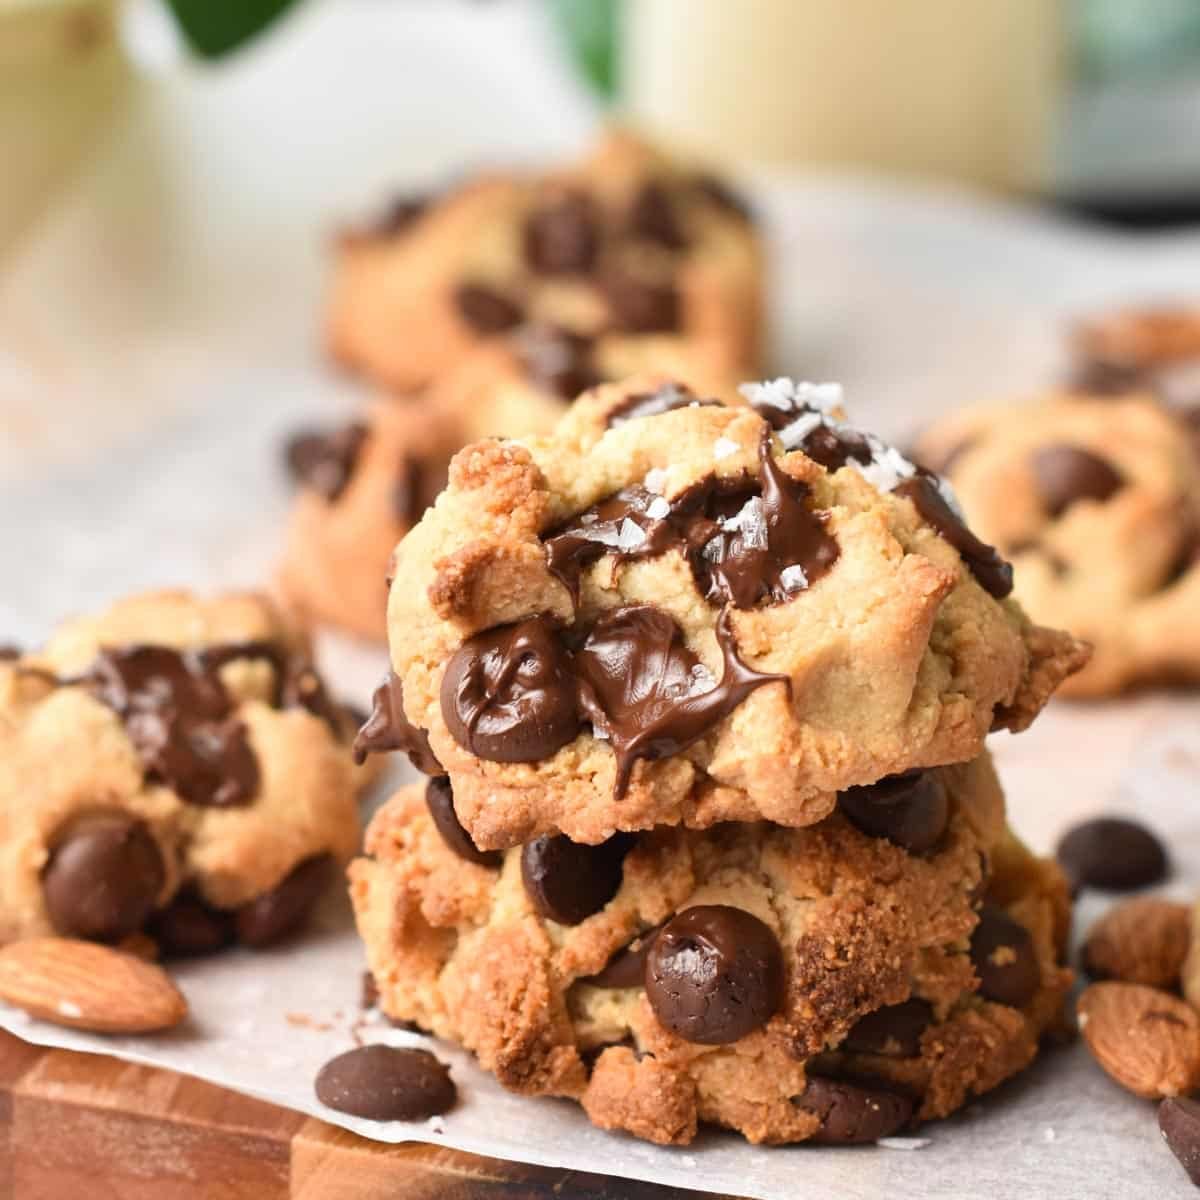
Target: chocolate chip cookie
[
  {"x": 628, "y": 252},
  {"x": 835, "y": 983},
  {"x": 1097, "y": 503},
  {"x": 676, "y": 610},
  {"x": 175, "y": 767}
]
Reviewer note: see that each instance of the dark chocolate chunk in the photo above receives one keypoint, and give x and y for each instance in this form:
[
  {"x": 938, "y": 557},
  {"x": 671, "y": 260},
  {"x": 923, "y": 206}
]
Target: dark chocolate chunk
[
  {"x": 508, "y": 693},
  {"x": 557, "y": 359},
  {"x": 718, "y": 192},
  {"x": 626, "y": 968},
  {"x": 1179, "y": 1124},
  {"x": 1113, "y": 854},
  {"x": 910, "y": 810},
  {"x": 568, "y": 882},
  {"x": 189, "y": 927},
  {"x": 714, "y": 974},
  {"x": 562, "y": 236},
  {"x": 439, "y": 799},
  {"x": 640, "y": 305},
  {"x": 180, "y": 719},
  {"x": 834, "y": 448},
  {"x": 894, "y": 1031},
  {"x": 983, "y": 561},
  {"x": 325, "y": 462},
  {"x": 387, "y": 728},
  {"x": 667, "y": 398},
  {"x": 486, "y": 310},
  {"x": 652, "y": 217},
  {"x": 853, "y": 1113},
  {"x": 418, "y": 485},
  {"x": 1066, "y": 474},
  {"x": 1004, "y": 958},
  {"x": 103, "y": 876},
  {"x": 386, "y": 1083},
  {"x": 276, "y": 913},
  {"x": 646, "y": 692}
]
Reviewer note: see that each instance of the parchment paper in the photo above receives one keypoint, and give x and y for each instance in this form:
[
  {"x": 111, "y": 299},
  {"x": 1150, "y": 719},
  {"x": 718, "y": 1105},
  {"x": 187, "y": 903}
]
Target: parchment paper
[{"x": 158, "y": 337}]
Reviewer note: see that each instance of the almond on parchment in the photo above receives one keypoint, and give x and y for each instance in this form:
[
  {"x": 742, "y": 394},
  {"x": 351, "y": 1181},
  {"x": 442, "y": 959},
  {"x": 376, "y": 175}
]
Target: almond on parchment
[
  {"x": 1147, "y": 1040},
  {"x": 1139, "y": 941},
  {"x": 87, "y": 986}
]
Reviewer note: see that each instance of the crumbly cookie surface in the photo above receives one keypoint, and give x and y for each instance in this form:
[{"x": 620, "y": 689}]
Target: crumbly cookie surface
[
  {"x": 854, "y": 977},
  {"x": 1097, "y": 502},
  {"x": 627, "y": 251},
  {"x": 653, "y": 616},
  {"x": 173, "y": 765}
]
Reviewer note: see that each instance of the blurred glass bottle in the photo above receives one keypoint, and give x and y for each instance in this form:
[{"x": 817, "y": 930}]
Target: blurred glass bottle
[{"x": 957, "y": 89}]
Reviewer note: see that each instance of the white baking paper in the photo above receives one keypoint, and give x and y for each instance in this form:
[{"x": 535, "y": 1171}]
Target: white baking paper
[{"x": 158, "y": 338}]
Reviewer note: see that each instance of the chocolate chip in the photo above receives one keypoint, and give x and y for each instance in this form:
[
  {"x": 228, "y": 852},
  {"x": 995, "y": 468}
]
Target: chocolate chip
[
  {"x": 626, "y": 968},
  {"x": 714, "y": 974},
  {"x": 834, "y": 448},
  {"x": 852, "y": 1113},
  {"x": 640, "y": 305},
  {"x": 652, "y": 216},
  {"x": 562, "y": 236},
  {"x": 486, "y": 310},
  {"x": 181, "y": 721},
  {"x": 439, "y": 799},
  {"x": 386, "y": 1083},
  {"x": 910, "y": 810},
  {"x": 103, "y": 876},
  {"x": 325, "y": 462},
  {"x": 189, "y": 927},
  {"x": 9, "y": 652},
  {"x": 419, "y": 484},
  {"x": 387, "y": 728},
  {"x": 508, "y": 694},
  {"x": 646, "y": 692},
  {"x": 1113, "y": 854},
  {"x": 894, "y": 1031},
  {"x": 667, "y": 398},
  {"x": 400, "y": 214},
  {"x": 1004, "y": 958},
  {"x": 983, "y": 561},
  {"x": 568, "y": 882},
  {"x": 718, "y": 192},
  {"x": 1065, "y": 474},
  {"x": 557, "y": 359},
  {"x": 369, "y": 996},
  {"x": 276, "y": 913},
  {"x": 1179, "y": 1123}
]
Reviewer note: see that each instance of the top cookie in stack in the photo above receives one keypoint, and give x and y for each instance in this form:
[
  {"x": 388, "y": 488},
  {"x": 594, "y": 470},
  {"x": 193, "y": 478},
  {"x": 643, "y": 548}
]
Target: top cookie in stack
[{"x": 679, "y": 611}]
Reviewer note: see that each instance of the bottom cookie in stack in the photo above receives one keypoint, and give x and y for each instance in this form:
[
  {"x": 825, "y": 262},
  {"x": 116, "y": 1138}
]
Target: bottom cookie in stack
[{"x": 836, "y": 983}]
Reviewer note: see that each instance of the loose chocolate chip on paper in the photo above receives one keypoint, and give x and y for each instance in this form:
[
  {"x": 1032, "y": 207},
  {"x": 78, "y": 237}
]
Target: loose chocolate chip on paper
[
  {"x": 562, "y": 236},
  {"x": 1066, "y": 474},
  {"x": 486, "y": 310},
  {"x": 1179, "y": 1123},
  {"x": 894, "y": 1031},
  {"x": 386, "y": 1083},
  {"x": 1004, "y": 958},
  {"x": 851, "y": 1113},
  {"x": 276, "y": 913},
  {"x": 189, "y": 927},
  {"x": 508, "y": 693},
  {"x": 714, "y": 974},
  {"x": 103, "y": 876},
  {"x": 439, "y": 799},
  {"x": 568, "y": 882},
  {"x": 910, "y": 810},
  {"x": 1113, "y": 854},
  {"x": 387, "y": 728}
]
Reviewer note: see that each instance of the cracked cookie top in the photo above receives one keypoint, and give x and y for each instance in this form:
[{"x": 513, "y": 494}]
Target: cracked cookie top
[
  {"x": 1097, "y": 503},
  {"x": 669, "y": 611}
]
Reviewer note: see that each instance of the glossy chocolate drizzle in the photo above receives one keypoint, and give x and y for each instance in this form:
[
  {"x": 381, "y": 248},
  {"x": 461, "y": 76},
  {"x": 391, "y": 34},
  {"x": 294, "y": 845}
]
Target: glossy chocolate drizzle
[
  {"x": 667, "y": 398},
  {"x": 747, "y": 541},
  {"x": 648, "y": 694}
]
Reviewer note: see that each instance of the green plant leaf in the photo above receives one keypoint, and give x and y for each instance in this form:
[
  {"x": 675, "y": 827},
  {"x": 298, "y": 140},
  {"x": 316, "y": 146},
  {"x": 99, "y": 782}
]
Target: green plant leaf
[
  {"x": 590, "y": 29},
  {"x": 214, "y": 27}
]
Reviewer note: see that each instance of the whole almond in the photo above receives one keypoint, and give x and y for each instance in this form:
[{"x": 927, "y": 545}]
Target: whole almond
[
  {"x": 87, "y": 986},
  {"x": 1139, "y": 941},
  {"x": 1147, "y": 1040}
]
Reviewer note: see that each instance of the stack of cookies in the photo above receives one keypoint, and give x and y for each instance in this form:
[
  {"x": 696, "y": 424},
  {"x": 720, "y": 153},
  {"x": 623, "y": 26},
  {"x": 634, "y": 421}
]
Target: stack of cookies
[{"x": 710, "y": 833}]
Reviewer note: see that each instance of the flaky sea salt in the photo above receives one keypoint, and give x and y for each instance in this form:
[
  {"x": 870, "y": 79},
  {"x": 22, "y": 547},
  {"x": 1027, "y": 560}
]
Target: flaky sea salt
[
  {"x": 794, "y": 578},
  {"x": 658, "y": 508},
  {"x": 630, "y": 536},
  {"x": 655, "y": 481},
  {"x": 788, "y": 394}
]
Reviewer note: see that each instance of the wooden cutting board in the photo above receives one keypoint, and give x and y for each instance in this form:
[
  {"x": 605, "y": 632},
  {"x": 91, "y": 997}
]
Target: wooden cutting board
[{"x": 86, "y": 1127}]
